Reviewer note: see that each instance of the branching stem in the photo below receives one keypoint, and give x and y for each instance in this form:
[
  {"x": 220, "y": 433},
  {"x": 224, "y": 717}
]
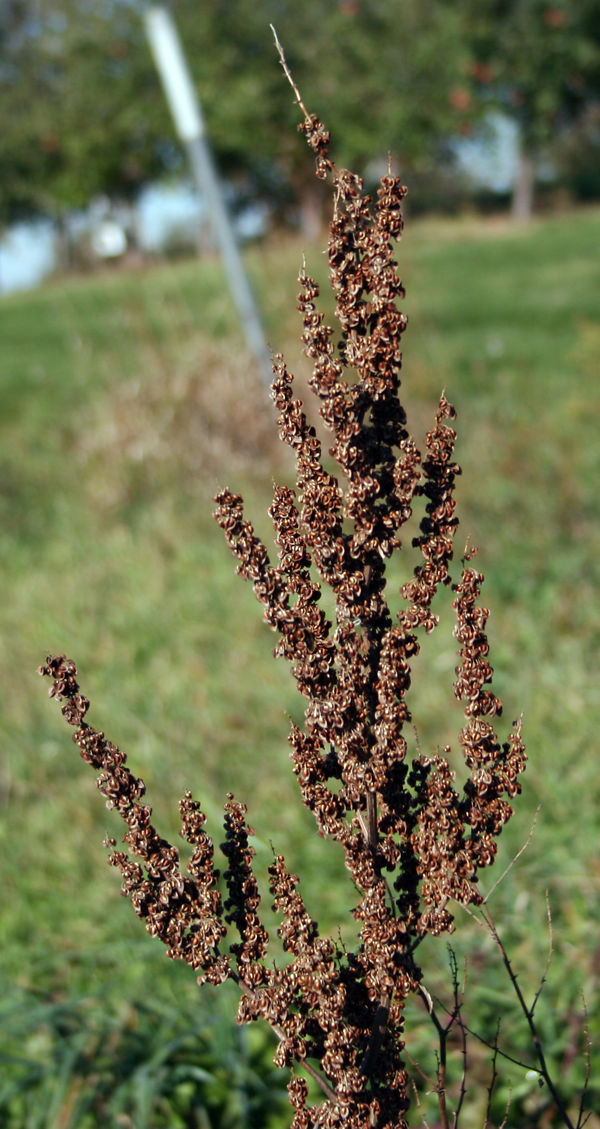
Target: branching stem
[
  {"x": 288, "y": 73},
  {"x": 280, "y": 1033},
  {"x": 528, "y": 1013}
]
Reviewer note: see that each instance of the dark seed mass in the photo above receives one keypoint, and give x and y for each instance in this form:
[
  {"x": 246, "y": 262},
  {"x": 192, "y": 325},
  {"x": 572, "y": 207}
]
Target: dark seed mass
[{"x": 413, "y": 843}]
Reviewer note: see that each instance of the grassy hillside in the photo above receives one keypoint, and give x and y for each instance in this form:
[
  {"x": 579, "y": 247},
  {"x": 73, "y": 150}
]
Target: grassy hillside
[{"x": 127, "y": 401}]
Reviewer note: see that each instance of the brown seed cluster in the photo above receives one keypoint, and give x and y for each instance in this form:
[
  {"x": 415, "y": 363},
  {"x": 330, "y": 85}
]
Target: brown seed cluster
[
  {"x": 412, "y": 842},
  {"x": 183, "y": 909}
]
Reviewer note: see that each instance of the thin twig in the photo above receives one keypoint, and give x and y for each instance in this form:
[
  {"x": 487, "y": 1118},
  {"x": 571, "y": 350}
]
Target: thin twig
[
  {"x": 503, "y": 1054},
  {"x": 480, "y": 1039},
  {"x": 516, "y": 857},
  {"x": 527, "y": 1012},
  {"x": 428, "y": 1080},
  {"x": 548, "y": 958},
  {"x": 443, "y": 1033},
  {"x": 581, "y": 1120},
  {"x": 441, "y": 1083},
  {"x": 493, "y": 1079},
  {"x": 418, "y": 1100},
  {"x": 372, "y": 828},
  {"x": 318, "y": 1078},
  {"x": 281, "y": 1035},
  {"x": 463, "y": 1044},
  {"x": 502, "y": 1124},
  {"x": 288, "y": 74}
]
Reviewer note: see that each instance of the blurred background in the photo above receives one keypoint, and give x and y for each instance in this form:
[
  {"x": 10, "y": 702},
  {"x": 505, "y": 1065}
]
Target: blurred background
[{"x": 129, "y": 397}]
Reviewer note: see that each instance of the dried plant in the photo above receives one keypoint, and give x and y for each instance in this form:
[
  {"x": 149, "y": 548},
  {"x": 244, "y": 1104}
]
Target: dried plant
[{"x": 413, "y": 842}]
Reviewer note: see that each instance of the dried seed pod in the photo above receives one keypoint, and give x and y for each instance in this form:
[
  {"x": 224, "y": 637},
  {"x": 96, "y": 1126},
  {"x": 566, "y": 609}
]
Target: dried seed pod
[{"x": 412, "y": 843}]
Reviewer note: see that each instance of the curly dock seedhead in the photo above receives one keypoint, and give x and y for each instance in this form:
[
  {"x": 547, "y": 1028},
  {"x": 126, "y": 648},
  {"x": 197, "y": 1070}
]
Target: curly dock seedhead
[{"x": 412, "y": 842}]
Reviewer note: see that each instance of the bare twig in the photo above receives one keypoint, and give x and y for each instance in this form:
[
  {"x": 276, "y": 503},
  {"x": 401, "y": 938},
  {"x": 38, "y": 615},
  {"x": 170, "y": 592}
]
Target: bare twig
[
  {"x": 463, "y": 1077},
  {"x": 520, "y": 852},
  {"x": 443, "y": 1032},
  {"x": 502, "y": 1124},
  {"x": 581, "y": 1120},
  {"x": 372, "y": 829},
  {"x": 528, "y": 1013},
  {"x": 441, "y": 1084},
  {"x": 418, "y": 1100},
  {"x": 470, "y": 1031},
  {"x": 318, "y": 1078},
  {"x": 493, "y": 1080},
  {"x": 277, "y": 1030},
  {"x": 542, "y": 1069},
  {"x": 428, "y": 1080},
  {"x": 288, "y": 73},
  {"x": 546, "y": 970}
]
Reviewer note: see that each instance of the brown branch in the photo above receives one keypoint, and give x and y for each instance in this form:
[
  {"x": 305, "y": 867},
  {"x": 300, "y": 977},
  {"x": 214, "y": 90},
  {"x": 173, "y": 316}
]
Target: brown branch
[
  {"x": 493, "y": 1080},
  {"x": 516, "y": 857},
  {"x": 502, "y": 1124},
  {"x": 372, "y": 827},
  {"x": 443, "y": 1031},
  {"x": 463, "y": 1042},
  {"x": 441, "y": 1083},
  {"x": 416, "y": 1092},
  {"x": 581, "y": 1120},
  {"x": 288, "y": 74},
  {"x": 280, "y": 1033},
  {"x": 528, "y": 1013},
  {"x": 546, "y": 969},
  {"x": 470, "y": 1031},
  {"x": 428, "y": 1080}
]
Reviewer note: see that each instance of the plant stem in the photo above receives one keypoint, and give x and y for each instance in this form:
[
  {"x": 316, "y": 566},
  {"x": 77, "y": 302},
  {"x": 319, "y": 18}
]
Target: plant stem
[{"x": 528, "y": 1013}]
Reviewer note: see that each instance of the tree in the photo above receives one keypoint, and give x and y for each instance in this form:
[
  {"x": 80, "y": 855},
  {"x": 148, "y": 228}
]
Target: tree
[
  {"x": 402, "y": 67},
  {"x": 539, "y": 60},
  {"x": 82, "y": 112}
]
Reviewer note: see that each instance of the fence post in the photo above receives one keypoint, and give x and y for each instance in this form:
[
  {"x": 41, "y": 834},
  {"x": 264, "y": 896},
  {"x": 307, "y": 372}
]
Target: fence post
[{"x": 189, "y": 123}]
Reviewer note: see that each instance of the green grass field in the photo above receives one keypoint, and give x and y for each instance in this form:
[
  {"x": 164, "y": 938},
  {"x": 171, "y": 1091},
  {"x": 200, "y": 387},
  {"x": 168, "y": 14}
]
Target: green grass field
[{"x": 127, "y": 401}]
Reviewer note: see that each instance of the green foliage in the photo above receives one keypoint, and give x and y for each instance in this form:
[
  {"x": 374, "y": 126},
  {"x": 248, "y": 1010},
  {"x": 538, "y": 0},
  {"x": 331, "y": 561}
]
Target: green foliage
[
  {"x": 70, "y": 1064},
  {"x": 82, "y": 110},
  {"x": 539, "y": 59},
  {"x": 109, "y": 552},
  {"x": 402, "y": 66}
]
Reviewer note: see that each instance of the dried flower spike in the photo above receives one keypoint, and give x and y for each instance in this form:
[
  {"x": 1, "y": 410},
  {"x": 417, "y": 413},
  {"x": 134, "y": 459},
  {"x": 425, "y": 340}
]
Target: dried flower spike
[{"x": 412, "y": 843}]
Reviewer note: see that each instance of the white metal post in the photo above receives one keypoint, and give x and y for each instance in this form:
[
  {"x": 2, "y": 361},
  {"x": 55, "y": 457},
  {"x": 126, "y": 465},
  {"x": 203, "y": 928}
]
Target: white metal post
[{"x": 189, "y": 124}]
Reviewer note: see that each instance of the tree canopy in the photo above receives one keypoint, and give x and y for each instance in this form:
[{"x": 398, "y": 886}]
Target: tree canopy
[
  {"x": 82, "y": 111},
  {"x": 539, "y": 60}
]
